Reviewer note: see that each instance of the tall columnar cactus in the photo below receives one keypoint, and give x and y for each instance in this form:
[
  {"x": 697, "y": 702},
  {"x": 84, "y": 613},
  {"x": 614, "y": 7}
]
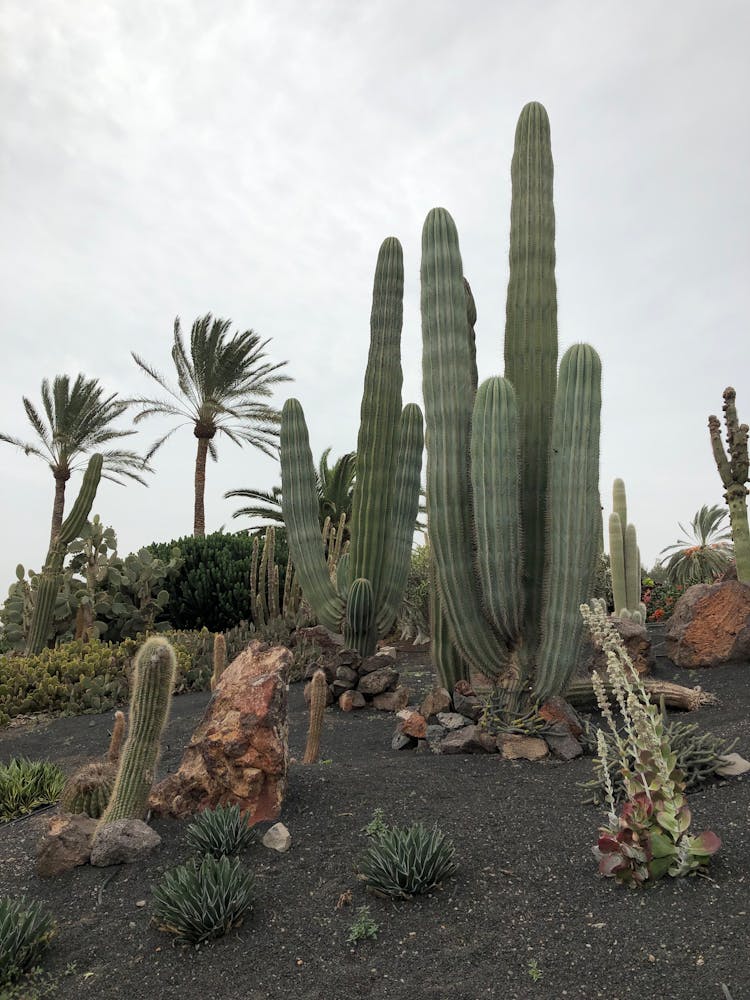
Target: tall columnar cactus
[
  {"x": 514, "y": 530},
  {"x": 386, "y": 492},
  {"x": 51, "y": 575},
  {"x": 624, "y": 559},
  {"x": 153, "y": 681},
  {"x": 733, "y": 469}
]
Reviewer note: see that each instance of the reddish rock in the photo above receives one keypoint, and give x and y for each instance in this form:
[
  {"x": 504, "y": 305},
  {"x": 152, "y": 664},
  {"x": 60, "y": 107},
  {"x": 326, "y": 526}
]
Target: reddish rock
[
  {"x": 438, "y": 700},
  {"x": 557, "y": 710},
  {"x": 514, "y": 746},
  {"x": 637, "y": 645},
  {"x": 469, "y": 739},
  {"x": 351, "y": 700},
  {"x": 414, "y": 724},
  {"x": 464, "y": 687},
  {"x": 239, "y": 752},
  {"x": 710, "y": 625},
  {"x": 392, "y": 701},
  {"x": 65, "y": 845},
  {"x": 380, "y": 680}
]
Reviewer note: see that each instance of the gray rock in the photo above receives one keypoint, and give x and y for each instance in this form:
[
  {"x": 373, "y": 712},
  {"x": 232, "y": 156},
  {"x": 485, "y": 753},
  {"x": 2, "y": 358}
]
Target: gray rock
[
  {"x": 733, "y": 765},
  {"x": 277, "y": 838},
  {"x": 376, "y": 662},
  {"x": 468, "y": 705},
  {"x": 347, "y": 674},
  {"x": 563, "y": 745},
  {"x": 401, "y": 741},
  {"x": 380, "y": 680},
  {"x": 65, "y": 845},
  {"x": 392, "y": 701},
  {"x": 469, "y": 739},
  {"x": 123, "y": 842},
  {"x": 338, "y": 687},
  {"x": 453, "y": 720},
  {"x": 435, "y": 735}
]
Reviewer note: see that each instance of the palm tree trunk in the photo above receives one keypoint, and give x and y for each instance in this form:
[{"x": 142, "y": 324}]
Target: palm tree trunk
[
  {"x": 199, "y": 517},
  {"x": 58, "y": 507}
]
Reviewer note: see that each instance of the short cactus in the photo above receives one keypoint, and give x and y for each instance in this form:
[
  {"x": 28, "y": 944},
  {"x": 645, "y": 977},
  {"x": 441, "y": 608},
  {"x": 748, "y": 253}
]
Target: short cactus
[
  {"x": 153, "y": 681},
  {"x": 220, "y": 659},
  {"x": 318, "y": 696},
  {"x": 624, "y": 559},
  {"x": 89, "y": 789},
  {"x": 733, "y": 469}
]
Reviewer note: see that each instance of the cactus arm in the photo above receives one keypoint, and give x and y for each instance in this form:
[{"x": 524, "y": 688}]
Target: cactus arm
[
  {"x": 343, "y": 574},
  {"x": 300, "y": 509},
  {"x": 531, "y": 339},
  {"x": 377, "y": 442},
  {"x": 620, "y": 504},
  {"x": 632, "y": 569},
  {"x": 404, "y": 516},
  {"x": 573, "y": 517},
  {"x": 449, "y": 666},
  {"x": 447, "y": 389},
  {"x": 49, "y": 583},
  {"x": 617, "y": 563},
  {"x": 497, "y": 515},
  {"x": 360, "y": 631}
]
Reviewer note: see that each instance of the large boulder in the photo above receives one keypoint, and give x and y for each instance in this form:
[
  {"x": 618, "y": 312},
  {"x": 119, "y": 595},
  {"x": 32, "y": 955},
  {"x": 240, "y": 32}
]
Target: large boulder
[
  {"x": 239, "y": 753},
  {"x": 710, "y": 625}
]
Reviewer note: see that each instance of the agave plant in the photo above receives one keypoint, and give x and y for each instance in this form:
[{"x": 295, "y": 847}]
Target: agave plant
[
  {"x": 220, "y": 832},
  {"x": 25, "y": 931},
  {"x": 203, "y": 899},
  {"x": 704, "y": 556},
  {"x": 25, "y": 785},
  {"x": 406, "y": 861}
]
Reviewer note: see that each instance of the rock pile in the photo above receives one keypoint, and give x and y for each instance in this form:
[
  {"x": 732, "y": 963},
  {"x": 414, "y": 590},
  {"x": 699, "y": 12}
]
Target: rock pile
[{"x": 355, "y": 683}]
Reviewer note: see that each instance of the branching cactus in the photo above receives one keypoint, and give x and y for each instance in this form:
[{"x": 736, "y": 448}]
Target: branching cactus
[
  {"x": 513, "y": 529},
  {"x": 153, "y": 681},
  {"x": 364, "y": 600},
  {"x": 51, "y": 575},
  {"x": 733, "y": 469},
  {"x": 624, "y": 559}
]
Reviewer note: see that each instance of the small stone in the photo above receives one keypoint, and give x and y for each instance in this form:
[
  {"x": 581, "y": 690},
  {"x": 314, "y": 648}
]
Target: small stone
[
  {"x": 140, "y": 903},
  {"x": 123, "y": 842},
  {"x": 277, "y": 838},
  {"x": 558, "y": 710},
  {"x": 65, "y": 845},
  {"x": 438, "y": 700},
  {"x": 377, "y": 662},
  {"x": 380, "y": 680},
  {"x": 453, "y": 720},
  {"x": 562, "y": 744},
  {"x": 401, "y": 741},
  {"x": 514, "y": 746},
  {"x": 348, "y": 658},
  {"x": 351, "y": 700},
  {"x": 733, "y": 765},
  {"x": 414, "y": 724},
  {"x": 347, "y": 674},
  {"x": 387, "y": 651},
  {"x": 468, "y": 739},
  {"x": 392, "y": 701},
  {"x": 435, "y": 735},
  {"x": 338, "y": 688},
  {"x": 468, "y": 705}
]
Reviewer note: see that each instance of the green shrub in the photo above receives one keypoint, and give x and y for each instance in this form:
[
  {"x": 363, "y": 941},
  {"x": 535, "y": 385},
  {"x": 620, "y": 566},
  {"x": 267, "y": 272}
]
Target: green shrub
[
  {"x": 25, "y": 932},
  {"x": 203, "y": 899},
  {"x": 26, "y": 785},
  {"x": 220, "y": 832},
  {"x": 406, "y": 861},
  {"x": 364, "y": 927}
]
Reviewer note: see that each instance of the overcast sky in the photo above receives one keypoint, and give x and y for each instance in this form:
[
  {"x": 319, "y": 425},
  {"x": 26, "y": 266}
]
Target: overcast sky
[{"x": 247, "y": 158}]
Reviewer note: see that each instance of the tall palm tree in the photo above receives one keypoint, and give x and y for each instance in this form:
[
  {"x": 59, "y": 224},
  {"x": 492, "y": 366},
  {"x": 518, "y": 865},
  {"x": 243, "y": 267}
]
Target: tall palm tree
[
  {"x": 222, "y": 385},
  {"x": 78, "y": 422},
  {"x": 706, "y": 555},
  {"x": 335, "y": 485}
]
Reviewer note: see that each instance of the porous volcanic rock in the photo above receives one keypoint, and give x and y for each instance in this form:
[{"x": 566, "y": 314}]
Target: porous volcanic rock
[
  {"x": 65, "y": 845},
  {"x": 710, "y": 625},
  {"x": 239, "y": 753},
  {"x": 123, "y": 842}
]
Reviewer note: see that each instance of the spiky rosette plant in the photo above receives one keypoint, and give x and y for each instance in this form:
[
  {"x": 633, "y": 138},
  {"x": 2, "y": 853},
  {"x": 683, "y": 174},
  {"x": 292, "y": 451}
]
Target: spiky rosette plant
[
  {"x": 202, "y": 900},
  {"x": 733, "y": 465},
  {"x": 514, "y": 529},
  {"x": 51, "y": 576},
  {"x": 366, "y": 597},
  {"x": 406, "y": 861},
  {"x": 220, "y": 832},
  {"x": 25, "y": 933},
  {"x": 624, "y": 559}
]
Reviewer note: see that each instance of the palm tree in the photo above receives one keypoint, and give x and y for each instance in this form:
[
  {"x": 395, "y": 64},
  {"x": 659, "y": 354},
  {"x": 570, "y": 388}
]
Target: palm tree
[
  {"x": 705, "y": 556},
  {"x": 78, "y": 422},
  {"x": 335, "y": 485},
  {"x": 221, "y": 387}
]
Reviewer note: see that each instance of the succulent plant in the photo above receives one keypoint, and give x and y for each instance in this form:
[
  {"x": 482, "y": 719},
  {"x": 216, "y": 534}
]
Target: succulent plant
[
  {"x": 219, "y": 659},
  {"x": 733, "y": 469},
  {"x": 89, "y": 789},
  {"x": 318, "y": 696},
  {"x": 405, "y": 861},
  {"x": 25, "y": 785},
  {"x": 624, "y": 559},
  {"x": 220, "y": 832},
  {"x": 386, "y": 491},
  {"x": 25, "y": 932},
  {"x": 203, "y": 899},
  {"x": 514, "y": 529}
]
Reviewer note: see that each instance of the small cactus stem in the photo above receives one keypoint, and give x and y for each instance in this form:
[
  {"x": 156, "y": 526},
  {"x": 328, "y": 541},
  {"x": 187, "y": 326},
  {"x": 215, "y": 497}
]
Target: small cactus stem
[
  {"x": 219, "y": 659},
  {"x": 339, "y": 541},
  {"x": 286, "y": 596},
  {"x": 272, "y": 582},
  {"x": 360, "y": 631},
  {"x": 273, "y": 596},
  {"x": 318, "y": 697},
  {"x": 632, "y": 569},
  {"x": 259, "y": 615},
  {"x": 153, "y": 681},
  {"x": 263, "y": 583},
  {"x": 733, "y": 466},
  {"x": 49, "y": 580},
  {"x": 325, "y": 533},
  {"x": 254, "y": 577},
  {"x": 118, "y": 734}
]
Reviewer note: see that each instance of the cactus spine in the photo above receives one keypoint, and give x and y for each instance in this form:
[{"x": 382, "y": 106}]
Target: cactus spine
[
  {"x": 733, "y": 469},
  {"x": 624, "y": 559},
  {"x": 49, "y": 579},
  {"x": 153, "y": 681},
  {"x": 386, "y": 491},
  {"x": 318, "y": 694},
  {"x": 514, "y": 531}
]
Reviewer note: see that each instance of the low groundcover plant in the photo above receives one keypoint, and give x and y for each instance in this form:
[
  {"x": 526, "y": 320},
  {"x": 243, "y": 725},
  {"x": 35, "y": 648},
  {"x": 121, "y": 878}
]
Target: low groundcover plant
[{"x": 650, "y": 838}]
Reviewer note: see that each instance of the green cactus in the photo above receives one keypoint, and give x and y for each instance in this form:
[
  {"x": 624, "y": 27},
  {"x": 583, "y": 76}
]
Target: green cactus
[
  {"x": 624, "y": 559},
  {"x": 386, "y": 491},
  {"x": 733, "y": 470},
  {"x": 514, "y": 531},
  {"x": 153, "y": 681},
  {"x": 51, "y": 576}
]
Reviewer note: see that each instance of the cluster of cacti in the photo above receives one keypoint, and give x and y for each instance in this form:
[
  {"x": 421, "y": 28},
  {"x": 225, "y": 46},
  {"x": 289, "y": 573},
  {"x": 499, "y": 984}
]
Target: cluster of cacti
[
  {"x": 51, "y": 575},
  {"x": 733, "y": 469},
  {"x": 370, "y": 581},
  {"x": 89, "y": 789},
  {"x": 153, "y": 682},
  {"x": 318, "y": 700},
  {"x": 624, "y": 559},
  {"x": 513, "y": 467}
]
